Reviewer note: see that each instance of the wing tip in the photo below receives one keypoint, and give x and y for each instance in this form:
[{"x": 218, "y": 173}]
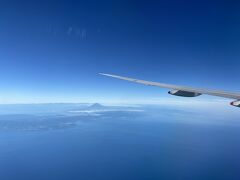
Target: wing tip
[{"x": 104, "y": 74}]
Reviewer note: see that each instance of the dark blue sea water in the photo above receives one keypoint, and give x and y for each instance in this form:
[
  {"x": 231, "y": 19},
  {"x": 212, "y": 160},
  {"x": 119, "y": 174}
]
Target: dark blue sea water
[{"x": 117, "y": 145}]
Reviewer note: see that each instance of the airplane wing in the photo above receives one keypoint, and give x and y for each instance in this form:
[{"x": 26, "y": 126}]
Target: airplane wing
[{"x": 183, "y": 90}]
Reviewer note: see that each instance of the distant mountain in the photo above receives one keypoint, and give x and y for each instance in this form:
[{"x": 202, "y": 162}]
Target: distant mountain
[{"x": 96, "y": 106}]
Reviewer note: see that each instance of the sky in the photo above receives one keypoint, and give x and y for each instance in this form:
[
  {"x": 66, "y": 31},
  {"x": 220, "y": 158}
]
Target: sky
[{"x": 52, "y": 51}]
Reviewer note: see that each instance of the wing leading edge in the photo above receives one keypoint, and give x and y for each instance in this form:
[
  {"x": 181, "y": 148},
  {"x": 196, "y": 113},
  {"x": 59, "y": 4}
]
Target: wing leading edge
[{"x": 182, "y": 89}]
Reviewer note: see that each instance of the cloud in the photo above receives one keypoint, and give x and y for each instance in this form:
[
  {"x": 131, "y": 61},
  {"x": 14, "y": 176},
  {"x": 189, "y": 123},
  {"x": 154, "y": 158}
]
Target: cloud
[
  {"x": 106, "y": 110},
  {"x": 77, "y": 32},
  {"x": 69, "y": 31}
]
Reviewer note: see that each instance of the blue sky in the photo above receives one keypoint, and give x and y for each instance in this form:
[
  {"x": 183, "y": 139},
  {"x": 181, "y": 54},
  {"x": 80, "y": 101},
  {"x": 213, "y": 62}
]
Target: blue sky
[{"x": 51, "y": 51}]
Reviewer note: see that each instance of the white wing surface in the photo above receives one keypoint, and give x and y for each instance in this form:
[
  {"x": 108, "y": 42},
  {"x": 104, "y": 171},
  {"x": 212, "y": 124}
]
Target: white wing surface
[{"x": 183, "y": 90}]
